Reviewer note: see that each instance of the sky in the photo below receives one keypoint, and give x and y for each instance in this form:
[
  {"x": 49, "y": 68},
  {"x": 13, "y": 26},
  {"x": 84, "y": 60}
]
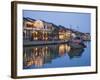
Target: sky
[{"x": 78, "y": 21}]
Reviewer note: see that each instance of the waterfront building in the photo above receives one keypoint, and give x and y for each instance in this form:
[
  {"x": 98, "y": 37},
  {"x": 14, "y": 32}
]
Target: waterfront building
[{"x": 42, "y": 30}]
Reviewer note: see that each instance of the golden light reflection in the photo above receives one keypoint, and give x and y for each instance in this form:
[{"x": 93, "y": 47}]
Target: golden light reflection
[
  {"x": 38, "y": 55},
  {"x": 46, "y": 51},
  {"x": 46, "y": 38},
  {"x": 61, "y": 49},
  {"x": 67, "y": 48},
  {"x": 36, "y": 49},
  {"x": 38, "y": 62}
]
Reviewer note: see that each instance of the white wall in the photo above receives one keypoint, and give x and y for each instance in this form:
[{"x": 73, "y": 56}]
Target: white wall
[{"x": 5, "y": 43}]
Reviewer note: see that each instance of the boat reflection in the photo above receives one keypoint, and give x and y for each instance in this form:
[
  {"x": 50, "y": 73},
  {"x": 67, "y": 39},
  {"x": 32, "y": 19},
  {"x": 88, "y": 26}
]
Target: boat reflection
[
  {"x": 75, "y": 52},
  {"x": 37, "y": 56}
]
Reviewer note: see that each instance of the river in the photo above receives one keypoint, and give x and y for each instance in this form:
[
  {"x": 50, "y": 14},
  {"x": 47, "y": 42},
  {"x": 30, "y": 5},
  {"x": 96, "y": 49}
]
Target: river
[{"x": 56, "y": 56}]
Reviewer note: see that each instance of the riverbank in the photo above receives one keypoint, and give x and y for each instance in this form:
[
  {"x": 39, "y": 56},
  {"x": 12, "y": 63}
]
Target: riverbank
[{"x": 31, "y": 43}]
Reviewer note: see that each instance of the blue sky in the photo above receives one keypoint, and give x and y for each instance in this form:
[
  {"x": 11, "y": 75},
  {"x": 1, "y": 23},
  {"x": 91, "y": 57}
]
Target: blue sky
[{"x": 77, "y": 21}]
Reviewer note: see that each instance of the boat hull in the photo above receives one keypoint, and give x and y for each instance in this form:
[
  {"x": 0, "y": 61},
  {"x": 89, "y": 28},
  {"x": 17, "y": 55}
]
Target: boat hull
[{"x": 75, "y": 45}]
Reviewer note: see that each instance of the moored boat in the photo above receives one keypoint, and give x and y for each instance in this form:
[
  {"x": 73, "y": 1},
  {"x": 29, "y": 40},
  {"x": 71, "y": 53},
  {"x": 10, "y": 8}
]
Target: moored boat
[{"x": 76, "y": 43}]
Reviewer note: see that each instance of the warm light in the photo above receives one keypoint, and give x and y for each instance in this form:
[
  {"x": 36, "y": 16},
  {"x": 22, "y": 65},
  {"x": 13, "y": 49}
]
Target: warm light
[
  {"x": 46, "y": 38},
  {"x": 29, "y": 24},
  {"x": 61, "y": 49},
  {"x": 61, "y": 36},
  {"x": 46, "y": 47},
  {"x": 38, "y": 61},
  {"x": 36, "y": 49},
  {"x": 35, "y": 38},
  {"x": 38, "y": 24},
  {"x": 30, "y": 62},
  {"x": 67, "y": 48},
  {"x": 36, "y": 33}
]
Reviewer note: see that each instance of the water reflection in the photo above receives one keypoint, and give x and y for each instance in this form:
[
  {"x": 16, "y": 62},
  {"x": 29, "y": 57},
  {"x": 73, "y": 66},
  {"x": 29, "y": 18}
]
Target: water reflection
[
  {"x": 75, "y": 52},
  {"x": 37, "y": 56}
]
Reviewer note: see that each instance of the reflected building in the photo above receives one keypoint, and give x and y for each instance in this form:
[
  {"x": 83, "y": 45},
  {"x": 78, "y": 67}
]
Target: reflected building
[{"x": 38, "y": 56}]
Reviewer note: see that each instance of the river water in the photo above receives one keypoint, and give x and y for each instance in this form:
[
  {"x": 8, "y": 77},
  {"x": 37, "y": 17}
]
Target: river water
[{"x": 56, "y": 56}]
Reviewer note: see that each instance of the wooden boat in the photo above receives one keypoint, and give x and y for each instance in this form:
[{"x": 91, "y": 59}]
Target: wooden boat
[{"x": 76, "y": 43}]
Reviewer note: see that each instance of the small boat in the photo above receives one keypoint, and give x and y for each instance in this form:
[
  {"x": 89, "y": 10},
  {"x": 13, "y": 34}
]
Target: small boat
[{"x": 76, "y": 43}]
